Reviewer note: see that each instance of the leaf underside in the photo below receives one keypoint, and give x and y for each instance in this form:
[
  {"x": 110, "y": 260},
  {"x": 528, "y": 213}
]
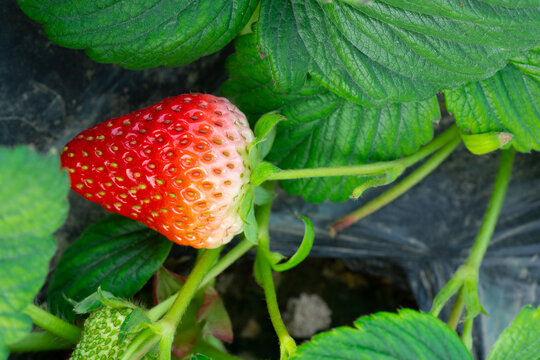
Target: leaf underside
[
  {"x": 508, "y": 102},
  {"x": 142, "y": 34},
  {"x": 321, "y": 129},
  {"x": 408, "y": 335},
  {"x": 33, "y": 205},
  {"x": 116, "y": 253},
  {"x": 379, "y": 51}
]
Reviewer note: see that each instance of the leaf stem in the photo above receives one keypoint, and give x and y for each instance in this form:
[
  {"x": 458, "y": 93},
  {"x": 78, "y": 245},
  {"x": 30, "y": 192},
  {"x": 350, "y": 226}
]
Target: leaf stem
[
  {"x": 40, "y": 341},
  {"x": 376, "y": 168},
  {"x": 264, "y": 270},
  {"x": 411, "y": 180},
  {"x": 53, "y": 324},
  {"x": 234, "y": 254}
]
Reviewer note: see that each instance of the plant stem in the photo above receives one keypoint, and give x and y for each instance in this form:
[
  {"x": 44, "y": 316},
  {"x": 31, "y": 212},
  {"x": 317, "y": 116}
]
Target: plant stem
[
  {"x": 457, "y": 310},
  {"x": 466, "y": 336},
  {"x": 414, "y": 178},
  {"x": 287, "y": 344},
  {"x": 465, "y": 280},
  {"x": 494, "y": 209},
  {"x": 234, "y": 254},
  {"x": 227, "y": 260},
  {"x": 53, "y": 324},
  {"x": 207, "y": 259},
  {"x": 40, "y": 341},
  {"x": 369, "y": 169}
]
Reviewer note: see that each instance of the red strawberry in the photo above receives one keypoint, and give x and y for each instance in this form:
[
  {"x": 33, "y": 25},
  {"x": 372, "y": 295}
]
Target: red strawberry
[{"x": 179, "y": 166}]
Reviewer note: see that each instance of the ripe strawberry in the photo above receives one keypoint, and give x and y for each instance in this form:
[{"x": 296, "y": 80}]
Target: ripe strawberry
[
  {"x": 179, "y": 166},
  {"x": 100, "y": 336}
]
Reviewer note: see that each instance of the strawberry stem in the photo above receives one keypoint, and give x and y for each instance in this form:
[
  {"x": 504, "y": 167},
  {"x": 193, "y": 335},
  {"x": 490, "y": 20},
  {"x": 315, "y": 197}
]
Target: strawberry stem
[
  {"x": 167, "y": 326},
  {"x": 40, "y": 341},
  {"x": 465, "y": 279},
  {"x": 53, "y": 324},
  {"x": 264, "y": 271},
  {"x": 414, "y": 178},
  {"x": 234, "y": 254},
  {"x": 377, "y": 168}
]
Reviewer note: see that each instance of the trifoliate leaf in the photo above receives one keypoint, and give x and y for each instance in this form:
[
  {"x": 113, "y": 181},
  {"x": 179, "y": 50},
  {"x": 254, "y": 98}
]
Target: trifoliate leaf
[
  {"x": 142, "y": 34},
  {"x": 379, "y": 51},
  {"x": 33, "y": 204},
  {"x": 408, "y": 335},
  {"x": 324, "y": 130},
  {"x": 116, "y": 253},
  {"x": 508, "y": 102}
]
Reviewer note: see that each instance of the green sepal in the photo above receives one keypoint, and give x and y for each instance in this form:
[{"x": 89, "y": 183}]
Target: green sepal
[
  {"x": 480, "y": 144},
  {"x": 265, "y": 132},
  {"x": 199, "y": 357},
  {"x": 303, "y": 250},
  {"x": 262, "y": 196},
  {"x": 470, "y": 296},
  {"x": 378, "y": 180},
  {"x": 247, "y": 213},
  {"x": 262, "y": 172},
  {"x": 101, "y": 298},
  {"x": 134, "y": 323}
]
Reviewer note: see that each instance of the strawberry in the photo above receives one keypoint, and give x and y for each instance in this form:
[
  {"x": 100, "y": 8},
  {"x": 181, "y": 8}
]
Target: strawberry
[
  {"x": 180, "y": 167},
  {"x": 99, "y": 339}
]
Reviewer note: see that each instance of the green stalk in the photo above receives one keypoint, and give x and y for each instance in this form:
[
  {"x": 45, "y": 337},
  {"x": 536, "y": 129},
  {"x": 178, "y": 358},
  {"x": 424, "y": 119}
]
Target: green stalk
[
  {"x": 457, "y": 310},
  {"x": 264, "y": 270},
  {"x": 181, "y": 303},
  {"x": 53, "y": 324},
  {"x": 377, "y": 168},
  {"x": 227, "y": 260},
  {"x": 234, "y": 254},
  {"x": 40, "y": 341},
  {"x": 414, "y": 178},
  {"x": 465, "y": 280},
  {"x": 494, "y": 209}
]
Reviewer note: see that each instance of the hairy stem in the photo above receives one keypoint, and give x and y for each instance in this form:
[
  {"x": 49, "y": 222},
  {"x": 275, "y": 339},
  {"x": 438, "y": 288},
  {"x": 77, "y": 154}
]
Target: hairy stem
[
  {"x": 40, "y": 341},
  {"x": 234, "y": 254},
  {"x": 377, "y": 168},
  {"x": 53, "y": 324},
  {"x": 457, "y": 310},
  {"x": 264, "y": 270},
  {"x": 384, "y": 199},
  {"x": 465, "y": 279},
  {"x": 494, "y": 209}
]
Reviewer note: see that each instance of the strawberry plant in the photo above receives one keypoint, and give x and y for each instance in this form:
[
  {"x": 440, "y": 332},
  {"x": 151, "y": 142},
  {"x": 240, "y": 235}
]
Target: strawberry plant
[{"x": 325, "y": 99}]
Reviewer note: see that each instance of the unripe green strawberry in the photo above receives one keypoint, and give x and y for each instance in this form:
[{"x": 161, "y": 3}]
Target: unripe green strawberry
[
  {"x": 179, "y": 166},
  {"x": 99, "y": 340}
]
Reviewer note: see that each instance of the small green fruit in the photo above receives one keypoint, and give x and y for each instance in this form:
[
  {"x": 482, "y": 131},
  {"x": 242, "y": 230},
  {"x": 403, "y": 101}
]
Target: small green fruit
[{"x": 100, "y": 336}]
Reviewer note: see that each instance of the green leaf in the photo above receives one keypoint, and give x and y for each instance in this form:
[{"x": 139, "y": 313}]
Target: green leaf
[
  {"x": 520, "y": 340},
  {"x": 324, "y": 130},
  {"x": 142, "y": 34},
  {"x": 265, "y": 131},
  {"x": 379, "y": 51},
  {"x": 33, "y": 205},
  {"x": 116, "y": 253},
  {"x": 199, "y": 357},
  {"x": 508, "y": 102},
  {"x": 408, "y": 335}
]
